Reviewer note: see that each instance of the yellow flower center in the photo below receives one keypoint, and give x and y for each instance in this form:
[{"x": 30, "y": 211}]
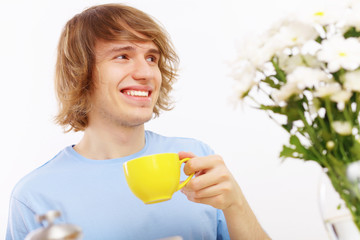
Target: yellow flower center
[
  {"x": 342, "y": 54},
  {"x": 320, "y": 14},
  {"x": 294, "y": 39}
]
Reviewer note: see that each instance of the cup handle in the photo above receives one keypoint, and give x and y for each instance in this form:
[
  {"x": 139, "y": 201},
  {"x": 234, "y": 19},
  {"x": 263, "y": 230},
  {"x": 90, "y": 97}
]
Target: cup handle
[{"x": 188, "y": 179}]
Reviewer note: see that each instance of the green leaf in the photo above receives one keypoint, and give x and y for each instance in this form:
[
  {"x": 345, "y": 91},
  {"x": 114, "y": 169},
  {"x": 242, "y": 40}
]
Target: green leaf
[
  {"x": 311, "y": 156},
  {"x": 355, "y": 150},
  {"x": 287, "y": 152},
  {"x": 295, "y": 141},
  {"x": 280, "y": 74},
  {"x": 242, "y": 96},
  {"x": 274, "y": 109},
  {"x": 271, "y": 83},
  {"x": 325, "y": 135},
  {"x": 297, "y": 150},
  {"x": 351, "y": 32},
  {"x": 337, "y": 75},
  {"x": 318, "y": 39},
  {"x": 288, "y": 126},
  {"x": 292, "y": 109}
]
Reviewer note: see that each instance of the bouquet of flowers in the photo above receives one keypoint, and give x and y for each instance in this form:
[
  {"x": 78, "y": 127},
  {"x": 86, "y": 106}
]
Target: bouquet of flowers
[{"x": 305, "y": 73}]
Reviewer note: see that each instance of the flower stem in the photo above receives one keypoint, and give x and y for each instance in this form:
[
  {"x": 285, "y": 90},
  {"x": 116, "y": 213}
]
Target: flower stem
[
  {"x": 329, "y": 114},
  {"x": 357, "y": 110},
  {"x": 347, "y": 113},
  {"x": 342, "y": 150},
  {"x": 309, "y": 129},
  {"x": 322, "y": 123},
  {"x": 347, "y": 191}
]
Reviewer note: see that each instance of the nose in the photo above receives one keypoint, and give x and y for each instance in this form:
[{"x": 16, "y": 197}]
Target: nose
[{"x": 142, "y": 70}]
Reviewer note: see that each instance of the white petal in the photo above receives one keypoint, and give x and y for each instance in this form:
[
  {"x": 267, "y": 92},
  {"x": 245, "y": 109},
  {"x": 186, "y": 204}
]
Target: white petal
[{"x": 342, "y": 128}]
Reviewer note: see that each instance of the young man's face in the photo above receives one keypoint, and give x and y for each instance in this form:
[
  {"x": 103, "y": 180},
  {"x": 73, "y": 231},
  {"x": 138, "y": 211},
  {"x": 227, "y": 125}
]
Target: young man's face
[{"x": 127, "y": 83}]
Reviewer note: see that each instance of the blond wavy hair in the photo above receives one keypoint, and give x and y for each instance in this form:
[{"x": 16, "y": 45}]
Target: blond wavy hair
[{"x": 76, "y": 58}]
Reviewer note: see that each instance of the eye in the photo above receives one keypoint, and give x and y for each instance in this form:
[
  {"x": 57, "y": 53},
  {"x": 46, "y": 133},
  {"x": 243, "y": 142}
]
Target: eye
[
  {"x": 122, "y": 57},
  {"x": 151, "y": 59}
]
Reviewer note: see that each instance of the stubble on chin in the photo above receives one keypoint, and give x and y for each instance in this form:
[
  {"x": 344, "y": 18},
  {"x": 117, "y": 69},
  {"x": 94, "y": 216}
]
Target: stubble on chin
[
  {"x": 133, "y": 122},
  {"x": 125, "y": 121}
]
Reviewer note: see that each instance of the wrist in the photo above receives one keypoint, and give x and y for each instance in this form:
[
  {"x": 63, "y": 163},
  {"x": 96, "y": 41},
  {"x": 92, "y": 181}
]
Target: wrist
[
  {"x": 242, "y": 221},
  {"x": 238, "y": 208}
]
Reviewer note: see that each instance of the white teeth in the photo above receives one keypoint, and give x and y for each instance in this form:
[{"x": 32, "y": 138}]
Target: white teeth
[{"x": 137, "y": 93}]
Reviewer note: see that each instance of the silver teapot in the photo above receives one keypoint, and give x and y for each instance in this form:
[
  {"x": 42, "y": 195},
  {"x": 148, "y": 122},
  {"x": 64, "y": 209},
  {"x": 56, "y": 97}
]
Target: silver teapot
[{"x": 53, "y": 231}]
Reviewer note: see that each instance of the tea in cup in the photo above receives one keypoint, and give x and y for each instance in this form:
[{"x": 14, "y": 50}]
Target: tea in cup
[{"x": 155, "y": 178}]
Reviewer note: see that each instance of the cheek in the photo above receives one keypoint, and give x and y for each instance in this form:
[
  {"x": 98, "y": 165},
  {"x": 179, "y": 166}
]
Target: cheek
[
  {"x": 109, "y": 73},
  {"x": 159, "y": 84},
  {"x": 158, "y": 78},
  {"x": 103, "y": 89}
]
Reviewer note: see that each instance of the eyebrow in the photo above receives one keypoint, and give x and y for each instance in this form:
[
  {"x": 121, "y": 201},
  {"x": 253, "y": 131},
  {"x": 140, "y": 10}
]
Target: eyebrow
[
  {"x": 120, "y": 49},
  {"x": 154, "y": 51},
  {"x": 131, "y": 49}
]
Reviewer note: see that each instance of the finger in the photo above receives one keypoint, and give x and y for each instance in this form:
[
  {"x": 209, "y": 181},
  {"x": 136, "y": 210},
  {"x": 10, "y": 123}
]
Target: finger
[
  {"x": 218, "y": 201},
  {"x": 202, "y": 163},
  {"x": 183, "y": 155},
  {"x": 204, "y": 181},
  {"x": 211, "y": 191}
]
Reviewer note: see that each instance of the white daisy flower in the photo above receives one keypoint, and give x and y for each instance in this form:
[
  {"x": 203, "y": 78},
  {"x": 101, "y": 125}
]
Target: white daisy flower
[
  {"x": 285, "y": 92},
  {"x": 286, "y": 33},
  {"x": 353, "y": 17},
  {"x": 297, "y": 81},
  {"x": 340, "y": 52},
  {"x": 245, "y": 75},
  {"x": 306, "y": 77},
  {"x": 325, "y": 13},
  {"x": 310, "y": 48},
  {"x": 342, "y": 127},
  {"x": 327, "y": 90},
  {"x": 289, "y": 63},
  {"x": 252, "y": 49},
  {"x": 352, "y": 81},
  {"x": 294, "y": 33},
  {"x": 341, "y": 96}
]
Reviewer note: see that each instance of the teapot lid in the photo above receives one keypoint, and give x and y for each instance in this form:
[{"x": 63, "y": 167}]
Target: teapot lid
[{"x": 54, "y": 231}]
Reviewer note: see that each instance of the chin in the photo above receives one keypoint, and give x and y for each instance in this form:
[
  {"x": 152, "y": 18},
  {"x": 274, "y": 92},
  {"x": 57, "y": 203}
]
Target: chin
[{"x": 140, "y": 120}]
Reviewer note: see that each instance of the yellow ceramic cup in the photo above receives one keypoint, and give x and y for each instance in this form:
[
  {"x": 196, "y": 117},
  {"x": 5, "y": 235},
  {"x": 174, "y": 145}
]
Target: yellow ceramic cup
[{"x": 155, "y": 178}]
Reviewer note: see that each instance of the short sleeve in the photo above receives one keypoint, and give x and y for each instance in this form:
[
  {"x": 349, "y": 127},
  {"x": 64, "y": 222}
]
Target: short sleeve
[
  {"x": 222, "y": 230},
  {"x": 21, "y": 220}
]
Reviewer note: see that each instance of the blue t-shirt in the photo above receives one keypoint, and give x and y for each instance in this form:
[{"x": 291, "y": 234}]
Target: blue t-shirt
[{"x": 94, "y": 195}]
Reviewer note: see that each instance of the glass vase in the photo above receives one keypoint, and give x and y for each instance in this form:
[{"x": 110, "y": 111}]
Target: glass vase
[{"x": 336, "y": 216}]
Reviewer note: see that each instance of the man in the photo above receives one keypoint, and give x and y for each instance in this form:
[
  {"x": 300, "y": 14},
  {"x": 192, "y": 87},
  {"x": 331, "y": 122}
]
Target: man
[{"x": 114, "y": 70}]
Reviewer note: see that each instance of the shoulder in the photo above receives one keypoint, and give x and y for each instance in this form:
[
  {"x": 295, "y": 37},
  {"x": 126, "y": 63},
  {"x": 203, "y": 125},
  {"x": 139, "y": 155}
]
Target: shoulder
[
  {"x": 177, "y": 144},
  {"x": 37, "y": 179}
]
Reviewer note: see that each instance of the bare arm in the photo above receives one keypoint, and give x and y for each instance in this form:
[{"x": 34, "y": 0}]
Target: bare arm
[
  {"x": 242, "y": 223},
  {"x": 214, "y": 185}
]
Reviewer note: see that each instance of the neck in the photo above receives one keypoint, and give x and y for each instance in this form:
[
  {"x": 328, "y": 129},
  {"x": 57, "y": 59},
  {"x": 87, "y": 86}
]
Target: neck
[{"x": 108, "y": 143}]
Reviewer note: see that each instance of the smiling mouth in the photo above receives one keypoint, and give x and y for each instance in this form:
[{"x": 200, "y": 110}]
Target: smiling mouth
[{"x": 136, "y": 93}]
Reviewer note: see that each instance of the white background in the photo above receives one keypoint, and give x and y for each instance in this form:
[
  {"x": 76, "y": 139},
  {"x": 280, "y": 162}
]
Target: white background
[{"x": 284, "y": 195}]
